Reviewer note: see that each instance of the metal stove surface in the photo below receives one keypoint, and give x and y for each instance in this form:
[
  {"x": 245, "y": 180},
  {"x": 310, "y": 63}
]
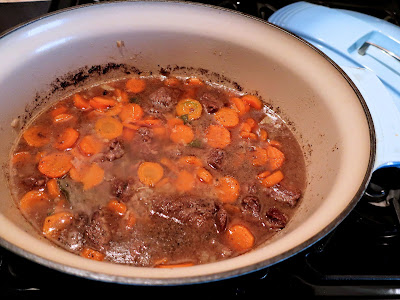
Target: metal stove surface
[{"x": 360, "y": 258}]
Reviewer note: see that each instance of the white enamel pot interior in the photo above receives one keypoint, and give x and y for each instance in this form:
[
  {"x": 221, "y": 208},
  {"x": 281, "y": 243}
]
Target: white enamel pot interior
[{"x": 322, "y": 106}]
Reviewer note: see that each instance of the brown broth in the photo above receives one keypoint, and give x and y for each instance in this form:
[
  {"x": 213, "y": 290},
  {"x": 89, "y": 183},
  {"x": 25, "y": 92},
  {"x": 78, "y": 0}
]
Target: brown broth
[{"x": 100, "y": 208}]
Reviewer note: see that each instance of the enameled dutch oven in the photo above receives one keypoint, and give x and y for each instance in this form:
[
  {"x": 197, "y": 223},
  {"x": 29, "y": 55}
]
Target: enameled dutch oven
[{"x": 49, "y": 57}]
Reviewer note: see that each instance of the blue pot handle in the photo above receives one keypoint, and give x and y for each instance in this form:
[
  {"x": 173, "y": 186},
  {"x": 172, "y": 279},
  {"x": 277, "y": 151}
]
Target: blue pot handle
[{"x": 384, "y": 113}]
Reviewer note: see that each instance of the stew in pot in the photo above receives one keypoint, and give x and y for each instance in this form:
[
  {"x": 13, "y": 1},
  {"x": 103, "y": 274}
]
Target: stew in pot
[{"x": 158, "y": 172}]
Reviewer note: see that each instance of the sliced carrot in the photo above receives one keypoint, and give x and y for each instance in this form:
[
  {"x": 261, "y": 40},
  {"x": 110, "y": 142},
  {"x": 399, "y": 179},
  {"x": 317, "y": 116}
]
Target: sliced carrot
[
  {"x": 55, "y": 165},
  {"x": 253, "y": 101},
  {"x": 81, "y": 103},
  {"x": 194, "y": 81},
  {"x": 248, "y": 135},
  {"x": 92, "y": 254},
  {"x": 251, "y": 122},
  {"x": 108, "y": 128},
  {"x": 263, "y": 134},
  {"x": 172, "y": 266},
  {"x": 59, "y": 109},
  {"x": 171, "y": 123},
  {"x": 131, "y": 112},
  {"x": 62, "y": 118},
  {"x": 240, "y": 106},
  {"x": 240, "y": 238},
  {"x": 218, "y": 136},
  {"x": 182, "y": 134},
  {"x": 245, "y": 127},
  {"x": 135, "y": 85},
  {"x": 264, "y": 174},
  {"x": 228, "y": 189},
  {"x": 21, "y": 157},
  {"x": 276, "y": 158},
  {"x": 130, "y": 220},
  {"x": 54, "y": 224},
  {"x": 89, "y": 145},
  {"x": 102, "y": 103},
  {"x": 191, "y": 160},
  {"x": 128, "y": 134},
  {"x": 260, "y": 156},
  {"x": 160, "y": 132},
  {"x": 190, "y": 107},
  {"x": 93, "y": 177},
  {"x": 117, "y": 206},
  {"x": 169, "y": 164},
  {"x": 274, "y": 143},
  {"x": 113, "y": 111},
  {"x": 172, "y": 82},
  {"x": 150, "y": 173},
  {"x": 204, "y": 175},
  {"x": 37, "y": 136},
  {"x": 67, "y": 139},
  {"x": 53, "y": 189},
  {"x": 32, "y": 200},
  {"x": 273, "y": 179},
  {"x": 122, "y": 96},
  {"x": 185, "y": 181},
  {"x": 77, "y": 173},
  {"x": 227, "y": 117}
]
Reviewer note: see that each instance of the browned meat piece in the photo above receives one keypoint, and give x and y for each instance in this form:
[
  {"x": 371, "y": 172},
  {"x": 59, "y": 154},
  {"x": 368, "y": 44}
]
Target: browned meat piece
[
  {"x": 122, "y": 189},
  {"x": 251, "y": 205},
  {"x": 145, "y": 134},
  {"x": 211, "y": 102},
  {"x": 221, "y": 218},
  {"x": 199, "y": 213},
  {"x": 34, "y": 181},
  {"x": 164, "y": 99},
  {"x": 73, "y": 235},
  {"x": 114, "y": 151},
  {"x": 275, "y": 218},
  {"x": 99, "y": 232},
  {"x": 284, "y": 194},
  {"x": 216, "y": 158}
]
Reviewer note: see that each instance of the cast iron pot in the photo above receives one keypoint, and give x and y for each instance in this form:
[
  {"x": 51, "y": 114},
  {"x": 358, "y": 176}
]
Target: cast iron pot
[{"x": 49, "y": 57}]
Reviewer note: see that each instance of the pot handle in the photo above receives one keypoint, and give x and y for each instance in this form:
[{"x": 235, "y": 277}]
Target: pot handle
[{"x": 384, "y": 113}]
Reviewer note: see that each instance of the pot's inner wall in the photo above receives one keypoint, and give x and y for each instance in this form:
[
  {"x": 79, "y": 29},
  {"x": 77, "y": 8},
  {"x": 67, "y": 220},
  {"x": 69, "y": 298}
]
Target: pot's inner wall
[{"x": 320, "y": 105}]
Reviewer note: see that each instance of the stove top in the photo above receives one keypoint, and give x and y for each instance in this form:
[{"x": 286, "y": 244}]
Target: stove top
[{"x": 358, "y": 259}]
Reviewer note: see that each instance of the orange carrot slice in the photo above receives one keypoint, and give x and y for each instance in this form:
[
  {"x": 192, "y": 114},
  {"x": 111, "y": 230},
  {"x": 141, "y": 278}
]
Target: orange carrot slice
[
  {"x": 240, "y": 238},
  {"x": 67, "y": 139},
  {"x": 182, "y": 134},
  {"x": 37, "y": 136},
  {"x": 55, "y": 165},
  {"x": 150, "y": 173},
  {"x": 227, "y": 117},
  {"x": 54, "y": 224},
  {"x": 218, "y": 136},
  {"x": 109, "y": 128},
  {"x": 228, "y": 189},
  {"x": 135, "y": 85}
]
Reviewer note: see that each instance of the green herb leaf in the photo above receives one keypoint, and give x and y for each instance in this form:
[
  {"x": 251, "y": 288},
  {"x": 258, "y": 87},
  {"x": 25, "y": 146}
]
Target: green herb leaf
[
  {"x": 195, "y": 143},
  {"x": 185, "y": 118},
  {"x": 135, "y": 100}
]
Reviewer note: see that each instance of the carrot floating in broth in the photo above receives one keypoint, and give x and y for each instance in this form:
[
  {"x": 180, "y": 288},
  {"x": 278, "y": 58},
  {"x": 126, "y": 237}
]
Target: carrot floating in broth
[
  {"x": 135, "y": 85},
  {"x": 253, "y": 101},
  {"x": 182, "y": 134},
  {"x": 53, "y": 224},
  {"x": 240, "y": 238},
  {"x": 218, "y": 136},
  {"x": 109, "y": 128},
  {"x": 55, "y": 165},
  {"x": 37, "y": 136},
  {"x": 227, "y": 117},
  {"x": 92, "y": 254},
  {"x": 67, "y": 139},
  {"x": 150, "y": 173}
]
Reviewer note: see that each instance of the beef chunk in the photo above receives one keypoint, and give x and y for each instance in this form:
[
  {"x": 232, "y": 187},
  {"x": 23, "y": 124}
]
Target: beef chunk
[
  {"x": 99, "y": 231},
  {"x": 284, "y": 194},
  {"x": 145, "y": 134},
  {"x": 211, "y": 102},
  {"x": 186, "y": 210},
  {"x": 216, "y": 158},
  {"x": 122, "y": 189},
  {"x": 34, "y": 181},
  {"x": 164, "y": 99},
  {"x": 115, "y": 150},
  {"x": 275, "y": 218},
  {"x": 221, "y": 218},
  {"x": 251, "y": 205}
]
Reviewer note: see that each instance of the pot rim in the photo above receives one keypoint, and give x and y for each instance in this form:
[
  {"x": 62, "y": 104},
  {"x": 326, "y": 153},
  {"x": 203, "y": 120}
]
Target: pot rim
[{"x": 235, "y": 272}]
